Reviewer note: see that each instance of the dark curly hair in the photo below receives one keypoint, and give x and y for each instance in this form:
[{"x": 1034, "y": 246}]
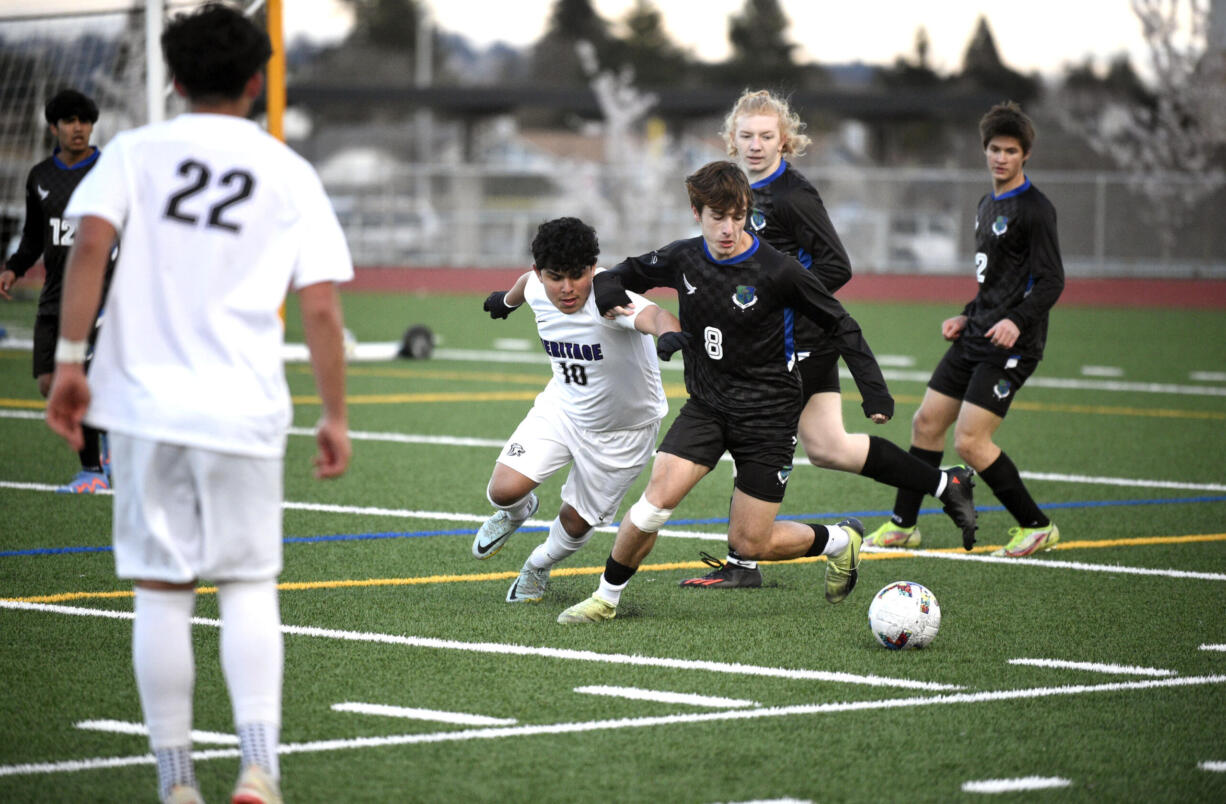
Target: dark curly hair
[
  {"x": 70, "y": 103},
  {"x": 565, "y": 245},
  {"x": 1007, "y": 120},
  {"x": 213, "y": 51}
]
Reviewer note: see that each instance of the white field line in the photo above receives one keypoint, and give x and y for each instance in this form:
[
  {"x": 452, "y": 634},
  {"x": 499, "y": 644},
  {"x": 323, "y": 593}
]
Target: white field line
[
  {"x": 1102, "y": 371},
  {"x": 800, "y": 460},
  {"x": 1014, "y": 785},
  {"x": 127, "y": 727},
  {"x": 1221, "y": 648},
  {"x": 660, "y": 696},
  {"x": 1208, "y": 376},
  {"x": 412, "y": 713},
  {"x": 1095, "y": 667},
  {"x": 1215, "y": 767},
  {"x": 731, "y": 668},
  {"x": 1057, "y": 564},
  {"x": 636, "y": 723}
]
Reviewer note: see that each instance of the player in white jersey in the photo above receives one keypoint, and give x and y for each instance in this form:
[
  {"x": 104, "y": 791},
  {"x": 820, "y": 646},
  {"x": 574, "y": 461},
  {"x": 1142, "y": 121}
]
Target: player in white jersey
[
  {"x": 222, "y": 219},
  {"x": 600, "y": 413}
]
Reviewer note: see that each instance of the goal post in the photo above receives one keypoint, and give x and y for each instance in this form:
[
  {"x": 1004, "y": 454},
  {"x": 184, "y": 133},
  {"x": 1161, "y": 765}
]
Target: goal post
[{"x": 114, "y": 56}]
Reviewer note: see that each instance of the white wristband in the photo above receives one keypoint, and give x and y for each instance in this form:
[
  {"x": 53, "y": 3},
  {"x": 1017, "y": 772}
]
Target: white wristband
[{"x": 67, "y": 351}]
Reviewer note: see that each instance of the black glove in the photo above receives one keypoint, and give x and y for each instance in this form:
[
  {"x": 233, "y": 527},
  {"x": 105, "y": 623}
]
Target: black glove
[
  {"x": 609, "y": 292},
  {"x": 670, "y": 342},
  {"x": 496, "y": 306},
  {"x": 878, "y": 405}
]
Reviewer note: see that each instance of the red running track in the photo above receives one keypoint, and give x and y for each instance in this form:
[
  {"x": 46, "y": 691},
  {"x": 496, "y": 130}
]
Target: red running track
[{"x": 1207, "y": 294}]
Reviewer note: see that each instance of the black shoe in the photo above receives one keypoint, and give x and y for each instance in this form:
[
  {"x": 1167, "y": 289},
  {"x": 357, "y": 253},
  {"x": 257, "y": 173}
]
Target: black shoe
[
  {"x": 725, "y": 576},
  {"x": 959, "y": 500}
]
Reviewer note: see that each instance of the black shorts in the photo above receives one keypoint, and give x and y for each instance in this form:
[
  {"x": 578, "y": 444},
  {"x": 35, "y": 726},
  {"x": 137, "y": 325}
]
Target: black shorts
[
  {"x": 762, "y": 450},
  {"x": 46, "y": 334},
  {"x": 819, "y": 372},
  {"x": 981, "y": 381}
]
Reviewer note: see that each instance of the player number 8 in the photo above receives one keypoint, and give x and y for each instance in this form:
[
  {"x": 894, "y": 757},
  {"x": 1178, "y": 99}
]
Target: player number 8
[{"x": 715, "y": 342}]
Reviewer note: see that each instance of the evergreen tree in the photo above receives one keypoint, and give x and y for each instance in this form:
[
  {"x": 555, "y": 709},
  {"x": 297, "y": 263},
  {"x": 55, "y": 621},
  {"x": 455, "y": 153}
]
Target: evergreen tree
[{"x": 761, "y": 54}]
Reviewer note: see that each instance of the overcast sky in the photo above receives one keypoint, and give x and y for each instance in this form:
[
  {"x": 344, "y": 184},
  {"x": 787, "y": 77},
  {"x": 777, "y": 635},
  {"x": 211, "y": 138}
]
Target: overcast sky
[
  {"x": 1041, "y": 35},
  {"x": 1032, "y": 35}
]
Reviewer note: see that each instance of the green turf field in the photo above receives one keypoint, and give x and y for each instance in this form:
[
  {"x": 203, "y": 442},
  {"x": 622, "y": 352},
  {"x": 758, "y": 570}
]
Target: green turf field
[{"x": 1098, "y": 669}]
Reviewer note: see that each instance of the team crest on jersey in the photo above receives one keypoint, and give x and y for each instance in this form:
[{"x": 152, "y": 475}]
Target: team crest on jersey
[
  {"x": 757, "y": 220},
  {"x": 1002, "y": 389},
  {"x": 689, "y": 289},
  {"x": 783, "y": 475},
  {"x": 745, "y": 296},
  {"x": 515, "y": 450},
  {"x": 1000, "y": 225}
]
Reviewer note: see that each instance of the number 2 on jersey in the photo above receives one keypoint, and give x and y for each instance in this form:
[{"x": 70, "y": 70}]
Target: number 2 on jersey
[{"x": 198, "y": 176}]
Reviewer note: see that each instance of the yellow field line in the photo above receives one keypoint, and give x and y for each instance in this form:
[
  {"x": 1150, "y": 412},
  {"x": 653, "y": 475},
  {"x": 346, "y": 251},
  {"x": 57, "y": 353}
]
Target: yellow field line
[
  {"x": 300, "y": 586},
  {"x": 33, "y": 404}
]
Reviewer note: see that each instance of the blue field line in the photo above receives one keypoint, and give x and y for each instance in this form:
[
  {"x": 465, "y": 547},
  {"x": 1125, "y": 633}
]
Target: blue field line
[{"x": 421, "y": 534}]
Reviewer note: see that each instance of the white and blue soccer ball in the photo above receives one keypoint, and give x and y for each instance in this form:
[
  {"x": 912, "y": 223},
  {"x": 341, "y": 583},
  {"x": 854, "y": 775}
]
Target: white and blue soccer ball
[{"x": 904, "y": 615}]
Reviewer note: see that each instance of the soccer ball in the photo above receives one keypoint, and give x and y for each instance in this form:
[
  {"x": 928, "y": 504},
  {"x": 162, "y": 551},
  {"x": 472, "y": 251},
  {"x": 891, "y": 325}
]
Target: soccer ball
[{"x": 904, "y": 615}]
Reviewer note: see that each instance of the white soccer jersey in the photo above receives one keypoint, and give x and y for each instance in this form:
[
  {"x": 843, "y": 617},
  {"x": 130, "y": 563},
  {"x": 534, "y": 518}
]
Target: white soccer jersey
[
  {"x": 218, "y": 219},
  {"x": 605, "y": 372}
]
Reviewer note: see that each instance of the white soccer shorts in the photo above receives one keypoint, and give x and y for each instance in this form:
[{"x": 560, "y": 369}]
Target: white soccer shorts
[
  {"x": 603, "y": 465},
  {"x": 183, "y": 513}
]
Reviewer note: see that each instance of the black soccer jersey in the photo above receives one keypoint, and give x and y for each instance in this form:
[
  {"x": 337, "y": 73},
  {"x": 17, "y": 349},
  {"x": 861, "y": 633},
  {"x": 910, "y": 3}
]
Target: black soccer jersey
[
  {"x": 736, "y": 311},
  {"x": 1020, "y": 273},
  {"x": 789, "y": 214},
  {"x": 46, "y": 233}
]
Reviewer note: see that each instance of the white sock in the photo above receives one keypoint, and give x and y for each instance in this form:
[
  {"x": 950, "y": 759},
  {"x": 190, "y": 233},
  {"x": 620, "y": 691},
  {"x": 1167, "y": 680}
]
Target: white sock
[
  {"x": 836, "y": 540},
  {"x": 557, "y": 547},
  {"x": 164, "y": 664},
  {"x": 252, "y": 658},
  {"x": 609, "y": 593},
  {"x": 516, "y": 510},
  {"x": 175, "y": 768}
]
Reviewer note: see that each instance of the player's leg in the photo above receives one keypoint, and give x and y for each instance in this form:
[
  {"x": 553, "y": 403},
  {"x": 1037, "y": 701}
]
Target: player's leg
[
  {"x": 672, "y": 477},
  {"x": 603, "y": 467},
  {"x": 537, "y": 449},
  {"x": 241, "y": 515},
  {"x": 987, "y": 403},
  {"x": 937, "y": 412},
  {"x": 156, "y": 526},
  {"x": 754, "y": 531},
  {"x": 89, "y": 478}
]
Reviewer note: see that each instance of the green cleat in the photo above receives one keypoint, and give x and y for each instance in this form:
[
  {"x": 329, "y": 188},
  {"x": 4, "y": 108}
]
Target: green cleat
[
  {"x": 1024, "y": 541},
  {"x": 592, "y": 610},
  {"x": 843, "y": 568},
  {"x": 891, "y": 535}
]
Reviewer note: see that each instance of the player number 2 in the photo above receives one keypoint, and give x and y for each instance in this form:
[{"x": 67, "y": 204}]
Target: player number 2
[
  {"x": 981, "y": 266},
  {"x": 198, "y": 175},
  {"x": 714, "y": 340},
  {"x": 574, "y": 372}
]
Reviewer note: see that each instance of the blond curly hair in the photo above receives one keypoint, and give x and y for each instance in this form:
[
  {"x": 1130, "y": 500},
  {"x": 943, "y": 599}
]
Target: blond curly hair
[{"x": 762, "y": 101}]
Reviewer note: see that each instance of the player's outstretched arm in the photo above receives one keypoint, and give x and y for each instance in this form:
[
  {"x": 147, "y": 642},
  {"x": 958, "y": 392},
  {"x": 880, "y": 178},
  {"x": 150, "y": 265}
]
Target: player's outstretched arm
[
  {"x": 655, "y": 320},
  {"x": 323, "y": 326},
  {"x": 83, "y": 276},
  {"x": 501, "y": 304}
]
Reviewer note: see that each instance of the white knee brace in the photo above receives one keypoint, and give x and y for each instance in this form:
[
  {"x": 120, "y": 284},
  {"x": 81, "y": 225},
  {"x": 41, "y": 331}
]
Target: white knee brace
[{"x": 647, "y": 517}]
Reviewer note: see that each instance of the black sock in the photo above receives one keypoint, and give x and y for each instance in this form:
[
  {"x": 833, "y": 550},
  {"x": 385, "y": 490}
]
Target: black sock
[
  {"x": 1003, "y": 478},
  {"x": 821, "y": 535},
  {"x": 616, "y": 573},
  {"x": 91, "y": 458},
  {"x": 907, "y": 502},
  {"x": 887, "y": 463}
]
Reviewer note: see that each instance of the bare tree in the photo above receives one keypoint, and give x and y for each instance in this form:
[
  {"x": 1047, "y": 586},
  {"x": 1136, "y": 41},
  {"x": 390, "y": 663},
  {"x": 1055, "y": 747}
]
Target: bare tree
[{"x": 1171, "y": 141}]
